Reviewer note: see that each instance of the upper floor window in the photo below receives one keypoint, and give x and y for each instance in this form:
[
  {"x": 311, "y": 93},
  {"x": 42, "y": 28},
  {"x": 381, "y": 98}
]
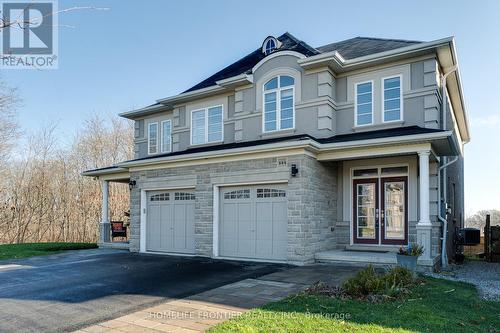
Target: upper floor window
[
  {"x": 392, "y": 99},
  {"x": 206, "y": 125},
  {"x": 166, "y": 136},
  {"x": 270, "y": 44},
  {"x": 279, "y": 104},
  {"x": 364, "y": 103},
  {"x": 152, "y": 138}
]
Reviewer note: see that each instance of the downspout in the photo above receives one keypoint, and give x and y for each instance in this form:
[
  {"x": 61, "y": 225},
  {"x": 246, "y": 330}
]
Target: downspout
[{"x": 445, "y": 164}]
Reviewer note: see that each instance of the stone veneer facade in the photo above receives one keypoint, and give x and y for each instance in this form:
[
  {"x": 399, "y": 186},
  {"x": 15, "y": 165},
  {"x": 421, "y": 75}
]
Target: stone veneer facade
[{"x": 311, "y": 199}]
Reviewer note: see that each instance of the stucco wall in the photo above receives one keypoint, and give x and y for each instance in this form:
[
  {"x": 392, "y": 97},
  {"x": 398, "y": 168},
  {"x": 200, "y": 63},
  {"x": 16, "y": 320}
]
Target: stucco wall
[{"x": 324, "y": 104}]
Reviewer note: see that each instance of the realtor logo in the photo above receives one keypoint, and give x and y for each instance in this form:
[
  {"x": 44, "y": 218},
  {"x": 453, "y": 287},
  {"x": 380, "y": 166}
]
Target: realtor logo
[{"x": 29, "y": 34}]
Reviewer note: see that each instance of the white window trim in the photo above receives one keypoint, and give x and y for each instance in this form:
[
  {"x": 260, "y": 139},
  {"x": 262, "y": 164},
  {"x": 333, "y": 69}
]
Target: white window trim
[
  {"x": 401, "y": 117},
  {"x": 356, "y": 103},
  {"x": 206, "y": 126},
  {"x": 149, "y": 138},
  {"x": 278, "y": 104},
  {"x": 162, "y": 136}
]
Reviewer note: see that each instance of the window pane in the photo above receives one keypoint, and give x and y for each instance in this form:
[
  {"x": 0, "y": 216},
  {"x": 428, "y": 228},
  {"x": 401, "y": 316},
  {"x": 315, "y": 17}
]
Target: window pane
[
  {"x": 394, "y": 170},
  {"x": 286, "y": 113},
  {"x": 270, "y": 111},
  {"x": 166, "y": 135},
  {"x": 286, "y": 103},
  {"x": 392, "y": 115},
  {"x": 364, "y": 103},
  {"x": 365, "y": 88},
  {"x": 270, "y": 97},
  {"x": 365, "y": 109},
  {"x": 198, "y": 124},
  {"x": 215, "y": 124},
  {"x": 153, "y": 138},
  {"x": 365, "y": 172},
  {"x": 365, "y": 119},
  {"x": 364, "y": 98},
  {"x": 391, "y": 93},
  {"x": 391, "y": 104},
  {"x": 270, "y": 126},
  {"x": 286, "y": 123},
  {"x": 215, "y": 137},
  {"x": 270, "y": 116},
  {"x": 391, "y": 83},
  {"x": 271, "y": 84},
  {"x": 286, "y": 81}
]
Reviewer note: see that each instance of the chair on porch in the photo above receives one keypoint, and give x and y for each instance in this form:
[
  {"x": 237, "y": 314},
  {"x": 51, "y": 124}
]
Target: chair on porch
[{"x": 118, "y": 230}]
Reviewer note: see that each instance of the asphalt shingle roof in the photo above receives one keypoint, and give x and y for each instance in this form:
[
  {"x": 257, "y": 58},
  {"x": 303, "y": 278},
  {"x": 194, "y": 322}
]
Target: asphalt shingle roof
[{"x": 349, "y": 49}]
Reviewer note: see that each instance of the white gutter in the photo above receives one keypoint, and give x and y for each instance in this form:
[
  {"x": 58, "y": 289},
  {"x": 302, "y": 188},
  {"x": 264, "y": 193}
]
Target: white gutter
[
  {"x": 444, "y": 188},
  {"x": 444, "y": 255}
]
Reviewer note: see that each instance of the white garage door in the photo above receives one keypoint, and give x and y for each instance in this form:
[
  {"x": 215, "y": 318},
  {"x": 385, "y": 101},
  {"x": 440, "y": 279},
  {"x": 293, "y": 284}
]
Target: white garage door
[
  {"x": 170, "y": 221},
  {"x": 253, "y": 222}
]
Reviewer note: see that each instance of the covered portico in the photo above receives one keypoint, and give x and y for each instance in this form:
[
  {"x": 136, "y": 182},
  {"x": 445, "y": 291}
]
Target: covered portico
[
  {"x": 107, "y": 176},
  {"x": 409, "y": 163}
]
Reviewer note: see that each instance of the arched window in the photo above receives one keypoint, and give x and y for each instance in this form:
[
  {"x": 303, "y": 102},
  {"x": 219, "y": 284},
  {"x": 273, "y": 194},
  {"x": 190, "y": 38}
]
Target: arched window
[
  {"x": 270, "y": 46},
  {"x": 279, "y": 104}
]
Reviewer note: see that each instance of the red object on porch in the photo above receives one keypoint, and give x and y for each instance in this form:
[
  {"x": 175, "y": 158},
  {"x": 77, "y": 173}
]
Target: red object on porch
[{"x": 118, "y": 229}]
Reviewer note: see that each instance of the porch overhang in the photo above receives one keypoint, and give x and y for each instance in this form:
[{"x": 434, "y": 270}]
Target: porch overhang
[
  {"x": 440, "y": 143},
  {"x": 113, "y": 173}
]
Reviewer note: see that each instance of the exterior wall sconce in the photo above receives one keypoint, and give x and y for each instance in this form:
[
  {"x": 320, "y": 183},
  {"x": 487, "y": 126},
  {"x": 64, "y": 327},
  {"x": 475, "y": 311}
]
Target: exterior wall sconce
[
  {"x": 131, "y": 184},
  {"x": 294, "y": 170}
]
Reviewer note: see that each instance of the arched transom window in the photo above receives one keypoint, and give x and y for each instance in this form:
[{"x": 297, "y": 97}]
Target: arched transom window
[{"x": 279, "y": 104}]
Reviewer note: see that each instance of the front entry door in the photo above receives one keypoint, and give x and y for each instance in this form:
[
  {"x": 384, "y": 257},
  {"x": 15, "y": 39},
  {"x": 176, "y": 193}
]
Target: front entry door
[
  {"x": 365, "y": 211},
  {"x": 380, "y": 211},
  {"x": 393, "y": 212}
]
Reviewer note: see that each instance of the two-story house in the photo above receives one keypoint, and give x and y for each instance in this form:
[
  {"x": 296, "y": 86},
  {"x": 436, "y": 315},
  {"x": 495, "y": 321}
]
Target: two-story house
[{"x": 296, "y": 153}]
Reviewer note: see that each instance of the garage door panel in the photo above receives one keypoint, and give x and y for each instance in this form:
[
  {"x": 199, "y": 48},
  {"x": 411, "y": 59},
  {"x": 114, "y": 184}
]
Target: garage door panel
[
  {"x": 179, "y": 229},
  {"x": 170, "y": 222},
  {"x": 190, "y": 227},
  {"x": 253, "y": 222}
]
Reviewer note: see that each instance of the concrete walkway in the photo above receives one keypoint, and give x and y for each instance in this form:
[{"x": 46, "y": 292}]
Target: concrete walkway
[{"x": 202, "y": 311}]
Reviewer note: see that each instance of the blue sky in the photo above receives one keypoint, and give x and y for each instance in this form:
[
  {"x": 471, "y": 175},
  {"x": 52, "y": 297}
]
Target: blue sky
[{"x": 139, "y": 51}]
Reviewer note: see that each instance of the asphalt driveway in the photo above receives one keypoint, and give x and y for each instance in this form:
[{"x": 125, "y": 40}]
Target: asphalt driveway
[{"x": 64, "y": 292}]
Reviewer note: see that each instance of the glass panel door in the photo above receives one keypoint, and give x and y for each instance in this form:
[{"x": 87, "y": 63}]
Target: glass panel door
[
  {"x": 394, "y": 210},
  {"x": 365, "y": 211}
]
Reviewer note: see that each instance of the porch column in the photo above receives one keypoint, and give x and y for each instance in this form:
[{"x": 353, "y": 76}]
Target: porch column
[
  {"x": 104, "y": 226},
  {"x": 424, "y": 225}
]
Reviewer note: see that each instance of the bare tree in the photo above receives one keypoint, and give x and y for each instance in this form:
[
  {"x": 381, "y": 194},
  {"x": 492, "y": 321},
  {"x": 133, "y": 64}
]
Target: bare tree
[
  {"x": 45, "y": 197},
  {"x": 9, "y": 129}
]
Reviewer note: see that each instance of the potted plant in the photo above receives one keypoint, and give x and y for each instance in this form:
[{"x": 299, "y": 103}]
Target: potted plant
[{"x": 407, "y": 256}]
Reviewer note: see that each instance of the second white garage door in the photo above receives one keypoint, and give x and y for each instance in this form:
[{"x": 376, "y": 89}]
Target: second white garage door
[
  {"x": 253, "y": 222},
  {"x": 170, "y": 221}
]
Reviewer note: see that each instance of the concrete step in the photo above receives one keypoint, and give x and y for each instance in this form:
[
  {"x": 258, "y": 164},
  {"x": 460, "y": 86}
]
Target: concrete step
[
  {"x": 357, "y": 258},
  {"x": 114, "y": 245},
  {"x": 378, "y": 248}
]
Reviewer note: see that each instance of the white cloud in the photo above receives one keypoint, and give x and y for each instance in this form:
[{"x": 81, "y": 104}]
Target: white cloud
[{"x": 487, "y": 121}]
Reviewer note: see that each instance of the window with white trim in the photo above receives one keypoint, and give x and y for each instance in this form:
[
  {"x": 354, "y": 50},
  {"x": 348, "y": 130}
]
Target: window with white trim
[
  {"x": 206, "y": 125},
  {"x": 392, "y": 99},
  {"x": 152, "y": 138},
  {"x": 166, "y": 136},
  {"x": 364, "y": 103},
  {"x": 279, "y": 101}
]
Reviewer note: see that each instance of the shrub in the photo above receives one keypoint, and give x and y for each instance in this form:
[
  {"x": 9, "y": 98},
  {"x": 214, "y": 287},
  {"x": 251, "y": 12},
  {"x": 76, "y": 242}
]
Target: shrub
[
  {"x": 365, "y": 282},
  {"x": 392, "y": 283}
]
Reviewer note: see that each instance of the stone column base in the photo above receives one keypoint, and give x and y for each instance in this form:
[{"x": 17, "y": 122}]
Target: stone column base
[
  {"x": 424, "y": 232},
  {"x": 105, "y": 232}
]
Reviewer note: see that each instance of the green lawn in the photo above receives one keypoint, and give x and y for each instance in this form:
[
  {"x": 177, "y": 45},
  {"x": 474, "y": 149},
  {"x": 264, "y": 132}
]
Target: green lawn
[
  {"x": 435, "y": 306},
  {"x": 15, "y": 251}
]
